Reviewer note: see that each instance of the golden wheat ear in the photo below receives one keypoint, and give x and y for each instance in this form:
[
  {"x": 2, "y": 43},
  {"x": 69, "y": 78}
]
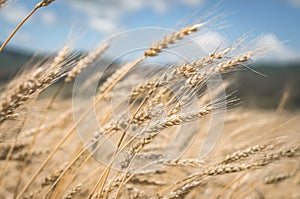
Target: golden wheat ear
[
  {"x": 2, "y": 3},
  {"x": 32, "y": 84}
]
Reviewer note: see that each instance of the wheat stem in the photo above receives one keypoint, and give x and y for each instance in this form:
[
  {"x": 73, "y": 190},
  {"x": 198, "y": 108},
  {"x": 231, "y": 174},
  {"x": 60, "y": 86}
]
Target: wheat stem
[{"x": 39, "y": 5}]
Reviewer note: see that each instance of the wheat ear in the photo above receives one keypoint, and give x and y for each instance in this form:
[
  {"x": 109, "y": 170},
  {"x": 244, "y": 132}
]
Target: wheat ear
[
  {"x": 31, "y": 86},
  {"x": 86, "y": 61},
  {"x": 154, "y": 50},
  {"x": 2, "y": 3}
]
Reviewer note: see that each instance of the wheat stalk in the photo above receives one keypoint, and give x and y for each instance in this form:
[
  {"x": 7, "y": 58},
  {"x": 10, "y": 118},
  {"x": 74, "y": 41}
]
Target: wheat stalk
[
  {"x": 38, "y": 80},
  {"x": 41, "y": 4},
  {"x": 221, "y": 169},
  {"x": 86, "y": 61}
]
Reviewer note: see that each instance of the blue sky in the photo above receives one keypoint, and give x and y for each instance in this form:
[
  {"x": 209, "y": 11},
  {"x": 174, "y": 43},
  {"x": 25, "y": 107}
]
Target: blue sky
[{"x": 86, "y": 22}]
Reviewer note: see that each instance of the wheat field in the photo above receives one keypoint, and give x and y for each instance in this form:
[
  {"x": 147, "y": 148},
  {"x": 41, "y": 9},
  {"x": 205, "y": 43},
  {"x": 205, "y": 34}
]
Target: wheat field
[{"x": 146, "y": 131}]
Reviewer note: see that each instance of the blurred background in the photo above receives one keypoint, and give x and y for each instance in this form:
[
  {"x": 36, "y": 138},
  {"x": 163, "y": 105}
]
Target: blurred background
[{"x": 84, "y": 23}]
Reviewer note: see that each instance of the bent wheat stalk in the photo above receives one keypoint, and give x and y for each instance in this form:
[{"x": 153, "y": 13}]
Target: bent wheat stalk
[
  {"x": 154, "y": 50},
  {"x": 38, "y": 80},
  {"x": 37, "y": 6},
  {"x": 106, "y": 89}
]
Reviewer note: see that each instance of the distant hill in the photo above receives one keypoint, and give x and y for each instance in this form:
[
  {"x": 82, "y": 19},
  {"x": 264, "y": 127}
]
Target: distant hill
[
  {"x": 11, "y": 60},
  {"x": 253, "y": 89},
  {"x": 266, "y": 92}
]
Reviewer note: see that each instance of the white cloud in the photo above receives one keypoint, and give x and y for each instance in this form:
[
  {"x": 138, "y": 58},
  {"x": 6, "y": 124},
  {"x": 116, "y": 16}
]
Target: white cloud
[
  {"x": 270, "y": 47},
  {"x": 14, "y": 14},
  {"x": 295, "y": 2},
  {"x": 193, "y": 2},
  {"x": 111, "y": 11},
  {"x": 48, "y": 17},
  {"x": 23, "y": 38},
  {"x": 210, "y": 41},
  {"x": 274, "y": 49},
  {"x": 102, "y": 25}
]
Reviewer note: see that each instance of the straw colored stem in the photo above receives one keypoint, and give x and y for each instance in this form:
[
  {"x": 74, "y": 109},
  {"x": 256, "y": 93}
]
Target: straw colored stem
[{"x": 39, "y": 5}]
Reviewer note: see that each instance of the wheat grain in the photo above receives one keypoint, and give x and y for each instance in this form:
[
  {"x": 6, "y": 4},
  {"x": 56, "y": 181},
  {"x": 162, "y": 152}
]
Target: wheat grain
[
  {"x": 276, "y": 178},
  {"x": 159, "y": 46},
  {"x": 2, "y": 3},
  {"x": 86, "y": 61},
  {"x": 183, "y": 162},
  {"x": 38, "y": 80},
  {"x": 49, "y": 180},
  {"x": 74, "y": 192},
  {"x": 195, "y": 180}
]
